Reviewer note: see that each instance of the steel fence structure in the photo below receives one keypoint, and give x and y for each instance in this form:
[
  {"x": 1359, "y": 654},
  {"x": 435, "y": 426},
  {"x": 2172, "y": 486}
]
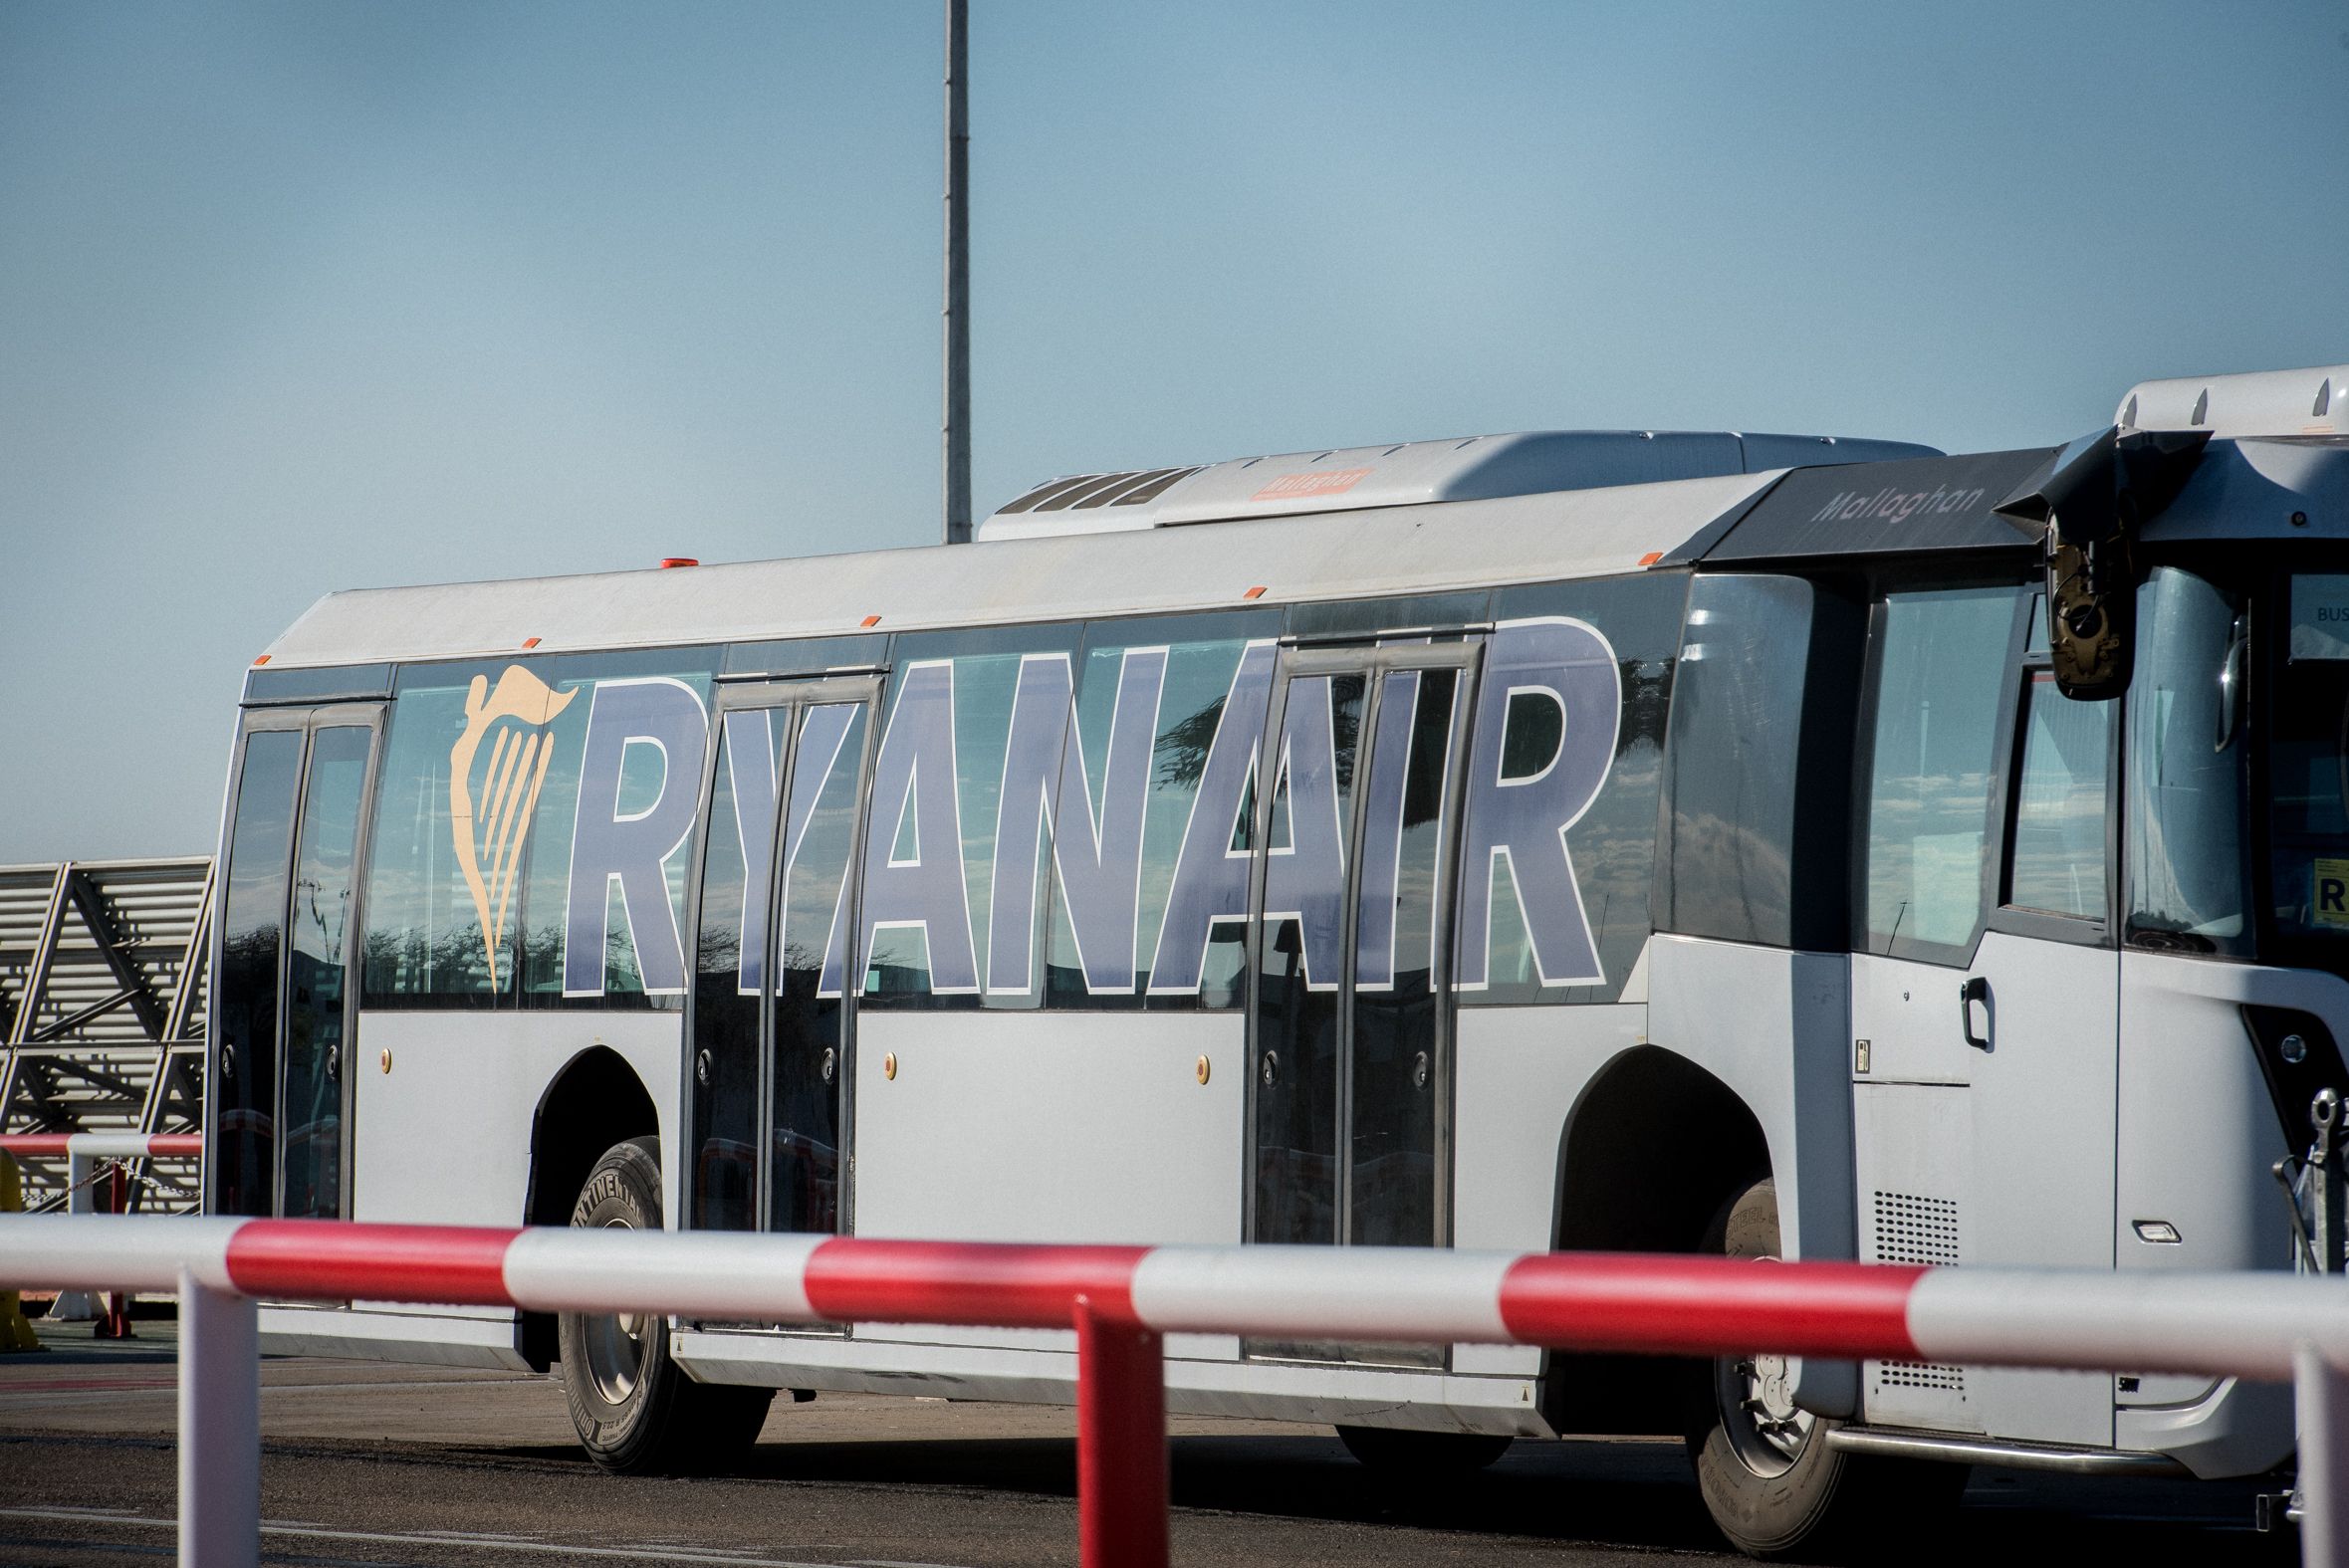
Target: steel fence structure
[{"x": 102, "y": 976}]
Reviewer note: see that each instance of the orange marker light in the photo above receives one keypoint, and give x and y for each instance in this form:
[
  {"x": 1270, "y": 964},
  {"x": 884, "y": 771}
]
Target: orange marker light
[
  {"x": 871, "y": 620},
  {"x": 264, "y": 659},
  {"x": 1651, "y": 558},
  {"x": 530, "y": 642},
  {"x": 1256, "y": 592}
]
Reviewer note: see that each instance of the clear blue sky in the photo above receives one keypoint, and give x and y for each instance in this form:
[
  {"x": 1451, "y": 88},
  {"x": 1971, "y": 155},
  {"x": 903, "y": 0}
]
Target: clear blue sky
[{"x": 298, "y": 296}]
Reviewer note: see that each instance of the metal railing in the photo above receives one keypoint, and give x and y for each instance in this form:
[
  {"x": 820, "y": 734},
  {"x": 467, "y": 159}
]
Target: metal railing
[
  {"x": 103, "y": 978},
  {"x": 1121, "y": 1300}
]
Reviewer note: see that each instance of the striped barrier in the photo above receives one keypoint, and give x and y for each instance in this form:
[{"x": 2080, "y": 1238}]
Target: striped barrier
[
  {"x": 82, "y": 1153},
  {"x": 1121, "y": 1300},
  {"x": 105, "y": 1145}
]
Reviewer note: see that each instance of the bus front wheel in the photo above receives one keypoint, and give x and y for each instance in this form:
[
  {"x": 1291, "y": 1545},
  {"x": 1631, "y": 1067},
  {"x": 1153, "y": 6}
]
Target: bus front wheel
[
  {"x": 635, "y": 1409},
  {"x": 1769, "y": 1479}
]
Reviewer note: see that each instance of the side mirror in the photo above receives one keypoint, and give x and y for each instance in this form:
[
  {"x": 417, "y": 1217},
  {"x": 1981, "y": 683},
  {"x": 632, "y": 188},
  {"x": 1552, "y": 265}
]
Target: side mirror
[{"x": 2086, "y": 510}]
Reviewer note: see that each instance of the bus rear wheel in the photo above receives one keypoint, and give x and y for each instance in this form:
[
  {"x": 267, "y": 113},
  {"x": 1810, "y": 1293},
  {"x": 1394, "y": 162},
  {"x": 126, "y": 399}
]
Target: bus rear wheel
[
  {"x": 635, "y": 1411},
  {"x": 1769, "y": 1479}
]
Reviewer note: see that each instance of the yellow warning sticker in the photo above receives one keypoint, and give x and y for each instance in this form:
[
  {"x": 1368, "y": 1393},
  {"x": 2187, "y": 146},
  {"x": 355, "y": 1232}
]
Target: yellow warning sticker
[{"x": 2329, "y": 887}]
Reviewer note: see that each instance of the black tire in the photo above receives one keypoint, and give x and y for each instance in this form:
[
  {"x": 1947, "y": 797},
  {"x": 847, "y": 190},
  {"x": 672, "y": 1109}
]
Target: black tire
[
  {"x": 1396, "y": 1451},
  {"x": 635, "y": 1411},
  {"x": 1769, "y": 1479}
]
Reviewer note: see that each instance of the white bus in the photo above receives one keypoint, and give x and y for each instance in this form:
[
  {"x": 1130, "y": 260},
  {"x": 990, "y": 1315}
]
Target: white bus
[{"x": 1588, "y": 841}]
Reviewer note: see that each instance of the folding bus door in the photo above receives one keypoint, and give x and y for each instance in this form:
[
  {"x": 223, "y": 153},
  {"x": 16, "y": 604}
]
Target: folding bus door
[
  {"x": 1355, "y": 848},
  {"x": 277, "y": 1093},
  {"x": 772, "y": 1025}
]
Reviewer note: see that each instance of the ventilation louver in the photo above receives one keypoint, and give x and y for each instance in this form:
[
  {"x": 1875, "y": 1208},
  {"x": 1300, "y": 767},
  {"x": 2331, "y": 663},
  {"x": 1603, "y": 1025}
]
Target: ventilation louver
[{"x": 1914, "y": 1229}]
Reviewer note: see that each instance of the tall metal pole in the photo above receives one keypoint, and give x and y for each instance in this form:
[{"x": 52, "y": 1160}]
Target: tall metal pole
[{"x": 957, "y": 274}]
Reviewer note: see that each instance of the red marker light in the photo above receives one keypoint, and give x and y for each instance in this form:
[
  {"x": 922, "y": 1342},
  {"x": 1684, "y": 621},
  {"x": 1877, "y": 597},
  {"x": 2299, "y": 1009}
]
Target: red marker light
[{"x": 667, "y": 562}]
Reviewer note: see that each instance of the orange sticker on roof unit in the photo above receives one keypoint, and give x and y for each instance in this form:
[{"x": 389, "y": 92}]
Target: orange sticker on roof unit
[{"x": 1293, "y": 487}]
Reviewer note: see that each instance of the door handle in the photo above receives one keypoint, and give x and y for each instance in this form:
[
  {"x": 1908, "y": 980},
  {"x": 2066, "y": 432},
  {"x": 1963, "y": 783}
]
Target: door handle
[{"x": 1976, "y": 989}]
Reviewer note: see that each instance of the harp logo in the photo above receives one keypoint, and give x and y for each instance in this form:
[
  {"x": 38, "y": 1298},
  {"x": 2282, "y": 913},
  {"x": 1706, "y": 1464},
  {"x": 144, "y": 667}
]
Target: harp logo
[{"x": 490, "y": 835}]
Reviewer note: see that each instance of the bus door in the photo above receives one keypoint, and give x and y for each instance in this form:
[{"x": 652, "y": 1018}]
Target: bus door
[
  {"x": 772, "y": 1025},
  {"x": 1355, "y": 833},
  {"x": 284, "y": 1009},
  {"x": 1985, "y": 996}
]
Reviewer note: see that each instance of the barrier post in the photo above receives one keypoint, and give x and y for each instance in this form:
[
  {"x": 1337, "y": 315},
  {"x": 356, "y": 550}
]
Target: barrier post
[
  {"x": 1121, "y": 1443},
  {"x": 2321, "y": 1401},
  {"x": 115, "y": 1321},
  {"x": 78, "y": 1306},
  {"x": 219, "y": 1428}
]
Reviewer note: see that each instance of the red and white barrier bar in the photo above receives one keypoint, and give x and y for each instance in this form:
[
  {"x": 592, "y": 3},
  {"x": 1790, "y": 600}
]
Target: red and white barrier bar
[
  {"x": 105, "y": 1145},
  {"x": 82, "y": 1152},
  {"x": 1123, "y": 1299}
]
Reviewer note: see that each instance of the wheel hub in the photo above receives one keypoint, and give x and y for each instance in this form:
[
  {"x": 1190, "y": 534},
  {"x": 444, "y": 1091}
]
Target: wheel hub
[
  {"x": 616, "y": 1345},
  {"x": 1764, "y": 1427}
]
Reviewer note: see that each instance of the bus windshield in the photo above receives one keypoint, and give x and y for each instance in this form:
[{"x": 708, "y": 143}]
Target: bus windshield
[{"x": 2308, "y": 768}]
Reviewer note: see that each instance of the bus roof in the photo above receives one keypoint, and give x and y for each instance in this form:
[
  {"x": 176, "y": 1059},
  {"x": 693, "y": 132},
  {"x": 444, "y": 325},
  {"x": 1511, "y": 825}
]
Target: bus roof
[
  {"x": 1276, "y": 560},
  {"x": 2296, "y": 487}
]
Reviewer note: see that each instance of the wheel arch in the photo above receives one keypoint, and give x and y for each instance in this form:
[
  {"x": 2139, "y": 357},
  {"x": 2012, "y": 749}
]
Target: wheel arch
[
  {"x": 1651, "y": 1149},
  {"x": 595, "y": 1101}
]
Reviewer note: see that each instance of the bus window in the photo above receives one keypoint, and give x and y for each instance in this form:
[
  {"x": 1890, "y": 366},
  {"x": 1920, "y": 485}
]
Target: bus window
[
  {"x": 2309, "y": 765},
  {"x": 1147, "y": 721},
  {"x": 1611, "y": 844},
  {"x": 252, "y": 932},
  {"x": 1942, "y": 670},
  {"x": 1757, "y": 776},
  {"x": 2187, "y": 867},
  {"x": 2058, "y": 865},
  {"x": 426, "y": 939},
  {"x": 318, "y": 971},
  {"x": 971, "y": 749},
  {"x": 490, "y": 880}
]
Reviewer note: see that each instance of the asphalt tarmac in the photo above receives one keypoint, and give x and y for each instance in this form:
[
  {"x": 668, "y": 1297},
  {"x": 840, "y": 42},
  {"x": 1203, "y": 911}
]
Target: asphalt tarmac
[{"x": 364, "y": 1463}]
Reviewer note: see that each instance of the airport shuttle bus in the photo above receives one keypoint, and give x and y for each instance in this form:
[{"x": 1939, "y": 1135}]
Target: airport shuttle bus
[{"x": 1618, "y": 840}]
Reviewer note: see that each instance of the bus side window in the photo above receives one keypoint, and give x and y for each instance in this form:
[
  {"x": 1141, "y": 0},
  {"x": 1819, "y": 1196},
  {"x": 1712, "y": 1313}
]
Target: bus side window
[
  {"x": 2058, "y": 864},
  {"x": 2187, "y": 850},
  {"x": 1612, "y": 844},
  {"x": 1943, "y": 663},
  {"x": 1756, "y": 817}
]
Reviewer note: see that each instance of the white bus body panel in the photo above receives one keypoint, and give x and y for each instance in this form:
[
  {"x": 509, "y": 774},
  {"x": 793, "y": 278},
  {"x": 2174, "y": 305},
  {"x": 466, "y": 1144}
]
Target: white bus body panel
[
  {"x": 2196, "y": 1130},
  {"x": 444, "y": 1138},
  {"x": 1272, "y": 1391},
  {"x": 2003, "y": 1153},
  {"x": 1769, "y": 1023},
  {"x": 1053, "y": 1127},
  {"x": 1519, "y": 1073}
]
